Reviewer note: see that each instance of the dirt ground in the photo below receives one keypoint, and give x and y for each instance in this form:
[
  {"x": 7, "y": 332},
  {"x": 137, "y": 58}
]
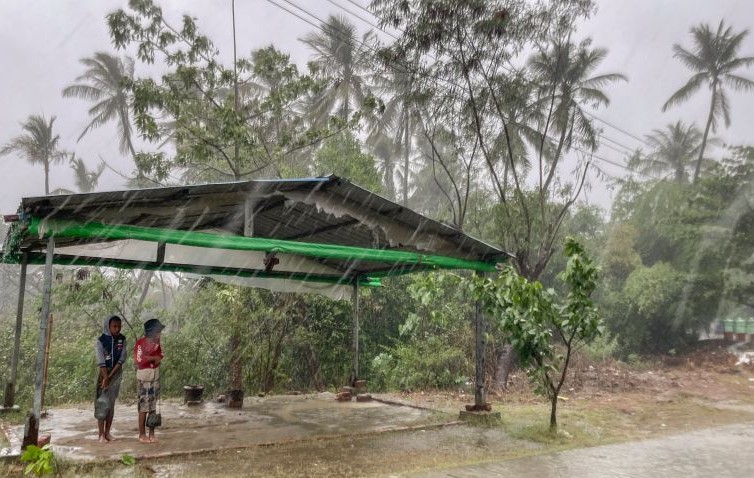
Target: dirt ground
[{"x": 313, "y": 435}]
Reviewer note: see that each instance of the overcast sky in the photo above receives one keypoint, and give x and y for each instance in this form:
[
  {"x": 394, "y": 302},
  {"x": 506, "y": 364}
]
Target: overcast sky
[{"x": 41, "y": 42}]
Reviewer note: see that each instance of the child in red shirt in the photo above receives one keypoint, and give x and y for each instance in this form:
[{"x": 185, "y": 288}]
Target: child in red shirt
[{"x": 148, "y": 356}]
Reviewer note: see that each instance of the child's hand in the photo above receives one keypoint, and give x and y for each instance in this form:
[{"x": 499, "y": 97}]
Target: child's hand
[
  {"x": 157, "y": 360},
  {"x": 104, "y": 383}
]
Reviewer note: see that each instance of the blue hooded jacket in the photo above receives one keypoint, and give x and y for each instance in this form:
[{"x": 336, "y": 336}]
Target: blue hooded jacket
[{"x": 109, "y": 349}]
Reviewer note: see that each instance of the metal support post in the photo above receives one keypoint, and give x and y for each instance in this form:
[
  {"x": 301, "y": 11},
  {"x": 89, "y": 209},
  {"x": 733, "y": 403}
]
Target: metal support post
[
  {"x": 10, "y": 387},
  {"x": 32, "y": 424}
]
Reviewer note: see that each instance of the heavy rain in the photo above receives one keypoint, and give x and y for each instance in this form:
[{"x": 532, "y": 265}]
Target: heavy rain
[{"x": 379, "y": 238}]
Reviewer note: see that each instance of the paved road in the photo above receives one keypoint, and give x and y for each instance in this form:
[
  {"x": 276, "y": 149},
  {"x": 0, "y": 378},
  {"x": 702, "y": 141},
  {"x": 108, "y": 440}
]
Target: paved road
[{"x": 716, "y": 452}]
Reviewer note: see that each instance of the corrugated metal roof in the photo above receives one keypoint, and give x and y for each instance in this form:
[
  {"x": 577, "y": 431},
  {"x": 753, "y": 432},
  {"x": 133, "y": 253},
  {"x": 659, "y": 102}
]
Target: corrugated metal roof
[{"x": 327, "y": 210}]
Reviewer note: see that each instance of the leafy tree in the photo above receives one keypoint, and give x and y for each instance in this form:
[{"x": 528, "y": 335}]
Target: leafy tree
[
  {"x": 38, "y": 145},
  {"x": 713, "y": 61},
  {"x": 696, "y": 233},
  {"x": 536, "y": 322},
  {"x": 619, "y": 256},
  {"x": 105, "y": 83},
  {"x": 434, "y": 344},
  {"x": 342, "y": 155},
  {"x": 735, "y": 185},
  {"x": 650, "y": 323},
  {"x": 224, "y": 128},
  {"x": 465, "y": 48}
]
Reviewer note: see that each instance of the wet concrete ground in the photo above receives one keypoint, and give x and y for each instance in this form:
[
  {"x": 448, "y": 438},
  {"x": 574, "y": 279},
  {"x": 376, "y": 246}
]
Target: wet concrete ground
[
  {"x": 716, "y": 452},
  {"x": 213, "y": 427}
]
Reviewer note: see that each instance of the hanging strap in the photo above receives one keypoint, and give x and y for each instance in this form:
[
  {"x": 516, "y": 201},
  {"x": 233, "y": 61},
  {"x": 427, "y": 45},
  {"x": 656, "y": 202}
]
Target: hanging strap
[{"x": 158, "y": 391}]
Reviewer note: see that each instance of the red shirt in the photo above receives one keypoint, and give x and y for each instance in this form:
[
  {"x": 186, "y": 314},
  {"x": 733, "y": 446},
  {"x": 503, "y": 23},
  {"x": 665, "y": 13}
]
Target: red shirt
[{"x": 143, "y": 349}]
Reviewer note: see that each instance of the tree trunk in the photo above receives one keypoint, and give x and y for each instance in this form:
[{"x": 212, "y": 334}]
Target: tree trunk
[
  {"x": 553, "y": 413},
  {"x": 706, "y": 133},
  {"x": 147, "y": 282},
  {"x": 315, "y": 369},
  {"x": 406, "y": 154},
  {"x": 235, "y": 363},
  {"x": 505, "y": 362},
  {"x": 47, "y": 178}
]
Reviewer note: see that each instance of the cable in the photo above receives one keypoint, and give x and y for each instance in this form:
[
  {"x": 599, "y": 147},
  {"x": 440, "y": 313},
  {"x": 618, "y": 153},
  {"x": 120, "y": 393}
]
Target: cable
[
  {"x": 613, "y": 148},
  {"x": 626, "y": 148},
  {"x": 607, "y": 123},
  {"x": 617, "y": 128},
  {"x": 373, "y": 49},
  {"x": 362, "y": 18},
  {"x": 319, "y": 27},
  {"x": 361, "y": 7}
]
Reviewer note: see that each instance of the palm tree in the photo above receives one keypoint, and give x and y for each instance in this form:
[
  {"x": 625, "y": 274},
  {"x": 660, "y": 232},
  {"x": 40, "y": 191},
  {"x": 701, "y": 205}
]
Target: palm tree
[
  {"x": 713, "y": 60},
  {"x": 343, "y": 59},
  {"x": 104, "y": 82},
  {"x": 675, "y": 149},
  {"x": 564, "y": 75},
  {"x": 393, "y": 130},
  {"x": 86, "y": 179},
  {"x": 38, "y": 145}
]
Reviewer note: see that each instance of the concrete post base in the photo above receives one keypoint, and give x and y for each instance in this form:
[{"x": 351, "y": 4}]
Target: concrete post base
[{"x": 481, "y": 418}]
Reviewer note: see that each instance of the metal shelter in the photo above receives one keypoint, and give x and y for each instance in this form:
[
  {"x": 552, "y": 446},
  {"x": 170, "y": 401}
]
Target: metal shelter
[{"x": 324, "y": 235}]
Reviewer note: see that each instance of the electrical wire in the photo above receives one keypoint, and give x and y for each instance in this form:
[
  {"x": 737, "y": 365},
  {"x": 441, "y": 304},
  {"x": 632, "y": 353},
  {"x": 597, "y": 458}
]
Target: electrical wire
[
  {"x": 605, "y": 122},
  {"x": 406, "y": 68}
]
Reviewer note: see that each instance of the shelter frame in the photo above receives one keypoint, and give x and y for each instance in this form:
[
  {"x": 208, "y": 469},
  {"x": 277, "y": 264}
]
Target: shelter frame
[{"x": 351, "y": 237}]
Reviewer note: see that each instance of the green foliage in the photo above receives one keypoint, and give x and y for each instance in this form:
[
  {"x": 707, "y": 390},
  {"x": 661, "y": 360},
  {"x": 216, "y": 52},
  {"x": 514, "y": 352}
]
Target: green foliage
[
  {"x": 537, "y": 325},
  {"x": 40, "y": 461},
  {"x": 342, "y": 155},
  {"x": 284, "y": 341},
  {"x": 318, "y": 352},
  {"x": 430, "y": 364},
  {"x": 651, "y": 321},
  {"x": 602, "y": 348},
  {"x": 227, "y": 122},
  {"x": 434, "y": 344},
  {"x": 619, "y": 256},
  {"x": 383, "y": 312},
  {"x": 127, "y": 459},
  {"x": 696, "y": 241}
]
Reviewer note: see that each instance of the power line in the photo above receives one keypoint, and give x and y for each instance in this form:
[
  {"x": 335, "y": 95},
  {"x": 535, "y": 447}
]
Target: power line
[
  {"x": 607, "y": 123},
  {"x": 619, "y": 151},
  {"x": 627, "y": 149},
  {"x": 319, "y": 27},
  {"x": 361, "y": 7},
  {"x": 642, "y": 141},
  {"x": 362, "y": 18}
]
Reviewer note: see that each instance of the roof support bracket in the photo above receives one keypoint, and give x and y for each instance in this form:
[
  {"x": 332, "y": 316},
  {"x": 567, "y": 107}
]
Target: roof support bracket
[{"x": 160, "y": 253}]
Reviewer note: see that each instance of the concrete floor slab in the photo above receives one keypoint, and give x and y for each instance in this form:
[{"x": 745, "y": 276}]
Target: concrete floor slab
[{"x": 212, "y": 427}]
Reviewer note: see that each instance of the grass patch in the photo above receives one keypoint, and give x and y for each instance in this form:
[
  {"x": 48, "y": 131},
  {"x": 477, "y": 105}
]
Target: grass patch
[{"x": 577, "y": 427}]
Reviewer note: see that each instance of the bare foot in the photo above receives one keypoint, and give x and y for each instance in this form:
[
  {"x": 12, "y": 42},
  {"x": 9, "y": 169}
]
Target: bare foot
[
  {"x": 153, "y": 439},
  {"x": 109, "y": 437},
  {"x": 144, "y": 439},
  {"x": 102, "y": 439}
]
